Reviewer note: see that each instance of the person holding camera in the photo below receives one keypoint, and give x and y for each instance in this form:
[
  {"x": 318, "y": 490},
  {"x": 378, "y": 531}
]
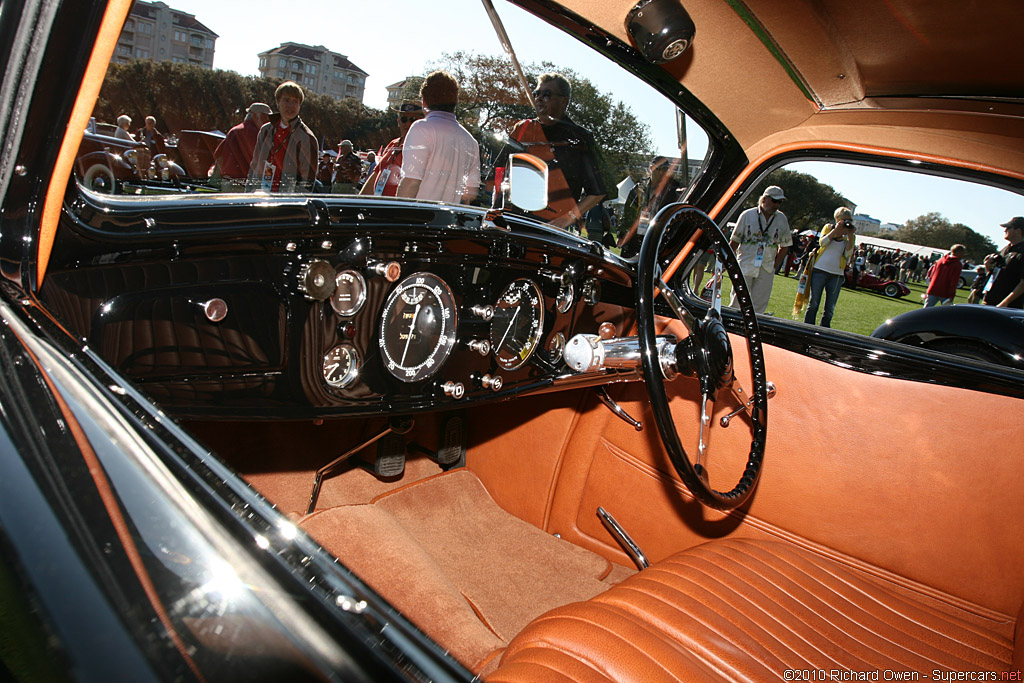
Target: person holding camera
[{"x": 835, "y": 249}]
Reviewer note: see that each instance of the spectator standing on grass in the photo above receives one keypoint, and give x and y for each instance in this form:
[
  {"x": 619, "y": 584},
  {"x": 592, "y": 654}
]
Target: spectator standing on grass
[
  {"x": 986, "y": 275},
  {"x": 761, "y": 240},
  {"x": 944, "y": 277},
  {"x": 1007, "y": 289}
]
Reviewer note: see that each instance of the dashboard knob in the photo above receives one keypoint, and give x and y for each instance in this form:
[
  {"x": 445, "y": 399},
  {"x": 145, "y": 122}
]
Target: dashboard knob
[
  {"x": 492, "y": 382},
  {"x": 316, "y": 280},
  {"x": 454, "y": 389},
  {"x": 215, "y": 310},
  {"x": 481, "y": 346},
  {"x": 390, "y": 271},
  {"x": 485, "y": 313}
]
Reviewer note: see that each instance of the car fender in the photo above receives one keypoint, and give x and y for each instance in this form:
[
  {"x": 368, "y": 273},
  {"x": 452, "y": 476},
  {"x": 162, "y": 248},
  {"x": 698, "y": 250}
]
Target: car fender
[{"x": 999, "y": 329}]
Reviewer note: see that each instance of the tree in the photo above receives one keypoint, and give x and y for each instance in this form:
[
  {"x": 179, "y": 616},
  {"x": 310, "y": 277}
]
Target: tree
[
  {"x": 186, "y": 97},
  {"x": 809, "y": 203},
  {"x": 934, "y": 230}
]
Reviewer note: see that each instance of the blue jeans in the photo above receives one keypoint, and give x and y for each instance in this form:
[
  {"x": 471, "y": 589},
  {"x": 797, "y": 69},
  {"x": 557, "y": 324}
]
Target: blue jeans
[{"x": 831, "y": 285}]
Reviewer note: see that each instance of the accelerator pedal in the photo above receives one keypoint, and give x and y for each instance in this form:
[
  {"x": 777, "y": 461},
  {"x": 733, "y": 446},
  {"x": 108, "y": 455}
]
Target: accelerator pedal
[{"x": 452, "y": 453}]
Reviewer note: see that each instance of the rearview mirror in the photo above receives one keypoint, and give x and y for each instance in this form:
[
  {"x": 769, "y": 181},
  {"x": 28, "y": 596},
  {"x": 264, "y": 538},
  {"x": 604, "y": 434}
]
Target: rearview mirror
[{"x": 528, "y": 182}]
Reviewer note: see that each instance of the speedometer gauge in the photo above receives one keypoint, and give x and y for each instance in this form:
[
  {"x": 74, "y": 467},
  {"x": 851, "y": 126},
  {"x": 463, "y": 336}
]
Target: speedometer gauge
[
  {"x": 417, "y": 328},
  {"x": 517, "y": 324}
]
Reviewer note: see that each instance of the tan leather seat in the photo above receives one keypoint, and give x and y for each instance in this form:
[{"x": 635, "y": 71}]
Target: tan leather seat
[{"x": 748, "y": 610}]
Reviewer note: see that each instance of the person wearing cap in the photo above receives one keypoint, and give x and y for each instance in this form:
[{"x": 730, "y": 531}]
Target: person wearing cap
[
  {"x": 385, "y": 176},
  {"x": 836, "y": 246},
  {"x": 1007, "y": 288},
  {"x": 441, "y": 160},
  {"x": 348, "y": 168},
  {"x": 761, "y": 240},
  {"x": 234, "y": 154},
  {"x": 286, "y": 154}
]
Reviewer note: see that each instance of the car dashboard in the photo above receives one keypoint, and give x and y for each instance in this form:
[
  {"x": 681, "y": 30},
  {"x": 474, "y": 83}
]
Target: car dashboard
[{"x": 299, "y": 307}]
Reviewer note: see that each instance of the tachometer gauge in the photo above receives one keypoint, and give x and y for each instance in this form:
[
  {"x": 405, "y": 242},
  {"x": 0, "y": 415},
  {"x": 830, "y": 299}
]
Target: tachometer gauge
[
  {"x": 517, "y": 324},
  {"x": 417, "y": 327},
  {"x": 341, "y": 366},
  {"x": 349, "y": 293}
]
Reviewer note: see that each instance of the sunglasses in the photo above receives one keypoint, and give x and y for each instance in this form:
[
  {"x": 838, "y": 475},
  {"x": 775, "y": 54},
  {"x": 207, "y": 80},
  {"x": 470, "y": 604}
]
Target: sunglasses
[
  {"x": 409, "y": 119},
  {"x": 545, "y": 94}
]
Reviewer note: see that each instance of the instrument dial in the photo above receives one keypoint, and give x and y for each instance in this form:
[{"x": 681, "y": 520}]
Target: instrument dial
[
  {"x": 349, "y": 293},
  {"x": 341, "y": 366},
  {"x": 517, "y": 324},
  {"x": 417, "y": 329}
]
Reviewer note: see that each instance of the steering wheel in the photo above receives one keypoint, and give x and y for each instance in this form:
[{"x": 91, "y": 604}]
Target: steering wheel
[{"x": 706, "y": 353}]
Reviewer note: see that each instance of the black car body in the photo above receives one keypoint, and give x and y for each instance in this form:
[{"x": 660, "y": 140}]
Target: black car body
[
  {"x": 189, "y": 380},
  {"x": 986, "y": 333}
]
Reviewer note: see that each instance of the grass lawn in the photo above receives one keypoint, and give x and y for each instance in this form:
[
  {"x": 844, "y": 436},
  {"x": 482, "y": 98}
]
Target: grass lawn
[{"x": 857, "y": 311}]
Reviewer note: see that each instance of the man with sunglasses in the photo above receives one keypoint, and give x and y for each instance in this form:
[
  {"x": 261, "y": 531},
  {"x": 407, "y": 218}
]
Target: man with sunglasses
[
  {"x": 574, "y": 185},
  {"x": 385, "y": 176}
]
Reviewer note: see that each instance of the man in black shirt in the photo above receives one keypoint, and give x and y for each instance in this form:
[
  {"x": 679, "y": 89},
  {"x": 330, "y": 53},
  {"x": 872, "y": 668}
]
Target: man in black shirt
[
  {"x": 1007, "y": 288},
  {"x": 574, "y": 185}
]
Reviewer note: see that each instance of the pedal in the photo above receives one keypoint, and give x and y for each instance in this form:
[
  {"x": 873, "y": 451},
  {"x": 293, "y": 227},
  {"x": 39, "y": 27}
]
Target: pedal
[
  {"x": 390, "y": 461},
  {"x": 623, "y": 539},
  {"x": 452, "y": 452}
]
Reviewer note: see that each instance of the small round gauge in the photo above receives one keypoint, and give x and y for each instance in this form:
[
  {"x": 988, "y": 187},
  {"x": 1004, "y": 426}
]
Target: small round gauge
[
  {"x": 556, "y": 347},
  {"x": 349, "y": 293},
  {"x": 566, "y": 295},
  {"x": 417, "y": 327},
  {"x": 517, "y": 324},
  {"x": 341, "y": 366}
]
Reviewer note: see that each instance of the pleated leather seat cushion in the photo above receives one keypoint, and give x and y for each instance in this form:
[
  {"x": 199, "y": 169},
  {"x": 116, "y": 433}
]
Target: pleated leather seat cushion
[{"x": 744, "y": 610}]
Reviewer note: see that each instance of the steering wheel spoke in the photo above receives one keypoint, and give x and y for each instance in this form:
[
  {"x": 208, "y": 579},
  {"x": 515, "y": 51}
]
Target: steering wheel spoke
[{"x": 707, "y": 354}]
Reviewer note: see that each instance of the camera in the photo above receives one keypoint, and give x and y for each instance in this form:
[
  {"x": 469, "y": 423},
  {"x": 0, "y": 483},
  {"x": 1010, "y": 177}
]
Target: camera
[{"x": 846, "y": 224}]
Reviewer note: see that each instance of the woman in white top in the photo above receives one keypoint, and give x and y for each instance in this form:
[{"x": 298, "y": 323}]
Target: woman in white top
[{"x": 835, "y": 249}]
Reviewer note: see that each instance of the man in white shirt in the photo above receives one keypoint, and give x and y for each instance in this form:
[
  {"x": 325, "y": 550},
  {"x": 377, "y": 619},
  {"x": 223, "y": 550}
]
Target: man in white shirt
[
  {"x": 440, "y": 159},
  {"x": 761, "y": 240}
]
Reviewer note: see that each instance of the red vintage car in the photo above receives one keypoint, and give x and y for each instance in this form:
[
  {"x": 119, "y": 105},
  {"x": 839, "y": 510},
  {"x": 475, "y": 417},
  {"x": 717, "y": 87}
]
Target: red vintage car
[{"x": 890, "y": 288}]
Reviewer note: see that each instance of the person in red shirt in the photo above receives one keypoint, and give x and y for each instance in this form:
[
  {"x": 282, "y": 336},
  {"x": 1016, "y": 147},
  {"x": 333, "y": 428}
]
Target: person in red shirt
[
  {"x": 944, "y": 277},
  {"x": 388, "y": 173},
  {"x": 234, "y": 154}
]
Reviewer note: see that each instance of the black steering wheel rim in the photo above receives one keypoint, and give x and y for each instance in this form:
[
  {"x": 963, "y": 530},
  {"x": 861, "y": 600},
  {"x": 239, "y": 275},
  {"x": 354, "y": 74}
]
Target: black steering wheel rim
[{"x": 687, "y": 221}]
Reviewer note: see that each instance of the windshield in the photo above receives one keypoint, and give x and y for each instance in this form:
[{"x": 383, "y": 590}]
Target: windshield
[{"x": 200, "y": 98}]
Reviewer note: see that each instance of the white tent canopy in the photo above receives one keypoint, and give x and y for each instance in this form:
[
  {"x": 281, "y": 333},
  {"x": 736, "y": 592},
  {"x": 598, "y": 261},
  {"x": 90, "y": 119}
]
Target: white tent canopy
[{"x": 902, "y": 246}]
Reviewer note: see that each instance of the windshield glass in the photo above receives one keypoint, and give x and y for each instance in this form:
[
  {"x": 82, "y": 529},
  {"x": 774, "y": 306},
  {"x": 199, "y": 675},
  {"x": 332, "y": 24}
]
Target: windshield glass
[{"x": 201, "y": 98}]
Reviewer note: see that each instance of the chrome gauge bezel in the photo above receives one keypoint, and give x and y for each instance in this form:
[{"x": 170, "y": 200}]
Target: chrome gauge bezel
[
  {"x": 566, "y": 297},
  {"x": 349, "y": 293},
  {"x": 418, "y": 293},
  {"x": 341, "y": 366},
  {"x": 515, "y": 339}
]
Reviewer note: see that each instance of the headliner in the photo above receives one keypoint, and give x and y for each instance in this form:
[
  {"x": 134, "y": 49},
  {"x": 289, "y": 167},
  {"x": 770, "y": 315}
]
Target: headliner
[{"x": 942, "y": 78}]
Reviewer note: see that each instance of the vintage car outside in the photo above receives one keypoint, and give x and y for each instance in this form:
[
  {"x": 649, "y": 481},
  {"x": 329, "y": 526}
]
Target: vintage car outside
[{"x": 291, "y": 436}]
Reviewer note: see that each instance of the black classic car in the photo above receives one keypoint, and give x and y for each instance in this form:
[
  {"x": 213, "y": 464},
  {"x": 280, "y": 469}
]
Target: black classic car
[
  {"x": 314, "y": 436},
  {"x": 985, "y": 333}
]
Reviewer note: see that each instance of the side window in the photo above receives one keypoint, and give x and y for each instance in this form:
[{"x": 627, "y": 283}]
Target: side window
[{"x": 900, "y": 223}]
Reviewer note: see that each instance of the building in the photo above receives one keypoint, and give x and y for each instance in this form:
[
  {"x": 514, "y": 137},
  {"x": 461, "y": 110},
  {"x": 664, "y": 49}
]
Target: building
[
  {"x": 158, "y": 33},
  {"x": 866, "y": 225},
  {"x": 406, "y": 89},
  {"x": 318, "y": 69}
]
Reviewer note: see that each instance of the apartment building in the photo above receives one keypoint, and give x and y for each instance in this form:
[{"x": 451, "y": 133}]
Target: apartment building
[
  {"x": 320, "y": 70},
  {"x": 157, "y": 32}
]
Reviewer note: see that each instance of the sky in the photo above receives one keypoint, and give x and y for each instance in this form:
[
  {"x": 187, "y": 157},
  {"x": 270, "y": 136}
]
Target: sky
[{"x": 352, "y": 29}]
